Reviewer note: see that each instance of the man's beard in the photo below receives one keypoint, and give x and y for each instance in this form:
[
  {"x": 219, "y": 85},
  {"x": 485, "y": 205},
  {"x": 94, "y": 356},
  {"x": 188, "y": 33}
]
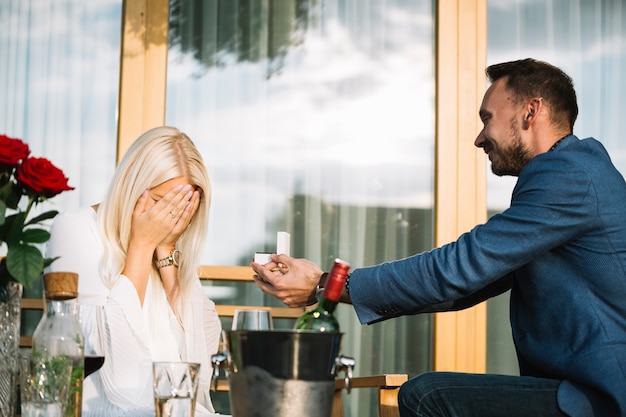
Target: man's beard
[{"x": 510, "y": 160}]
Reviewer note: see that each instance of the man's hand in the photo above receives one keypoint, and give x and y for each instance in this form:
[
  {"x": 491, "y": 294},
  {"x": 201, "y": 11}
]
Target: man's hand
[{"x": 292, "y": 281}]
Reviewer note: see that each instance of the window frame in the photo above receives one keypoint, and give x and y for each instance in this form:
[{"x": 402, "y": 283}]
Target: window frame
[{"x": 460, "y": 56}]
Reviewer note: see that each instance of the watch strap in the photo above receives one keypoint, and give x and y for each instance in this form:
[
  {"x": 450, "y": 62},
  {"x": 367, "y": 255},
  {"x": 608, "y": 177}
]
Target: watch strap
[
  {"x": 161, "y": 263},
  {"x": 320, "y": 286}
]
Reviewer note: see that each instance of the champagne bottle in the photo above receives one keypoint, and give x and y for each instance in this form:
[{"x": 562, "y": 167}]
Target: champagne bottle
[{"x": 322, "y": 318}]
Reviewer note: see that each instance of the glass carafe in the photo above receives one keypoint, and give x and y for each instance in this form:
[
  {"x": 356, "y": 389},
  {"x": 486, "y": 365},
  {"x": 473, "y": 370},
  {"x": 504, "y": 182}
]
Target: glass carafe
[{"x": 59, "y": 333}]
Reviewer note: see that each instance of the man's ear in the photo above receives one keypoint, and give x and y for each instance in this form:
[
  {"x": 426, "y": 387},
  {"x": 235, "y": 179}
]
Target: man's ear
[{"x": 533, "y": 109}]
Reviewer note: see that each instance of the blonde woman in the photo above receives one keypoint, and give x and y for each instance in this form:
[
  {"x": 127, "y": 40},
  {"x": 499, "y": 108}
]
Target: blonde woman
[{"x": 137, "y": 255}]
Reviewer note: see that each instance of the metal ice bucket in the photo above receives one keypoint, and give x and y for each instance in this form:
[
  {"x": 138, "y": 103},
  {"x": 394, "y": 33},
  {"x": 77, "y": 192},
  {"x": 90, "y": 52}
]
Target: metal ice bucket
[{"x": 281, "y": 373}]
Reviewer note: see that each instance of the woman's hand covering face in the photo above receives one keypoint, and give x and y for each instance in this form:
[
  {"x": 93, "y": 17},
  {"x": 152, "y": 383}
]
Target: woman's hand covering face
[{"x": 163, "y": 213}]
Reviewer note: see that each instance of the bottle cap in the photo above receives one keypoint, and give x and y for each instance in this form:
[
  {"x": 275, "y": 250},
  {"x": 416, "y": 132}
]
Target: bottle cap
[
  {"x": 336, "y": 280},
  {"x": 61, "y": 285}
]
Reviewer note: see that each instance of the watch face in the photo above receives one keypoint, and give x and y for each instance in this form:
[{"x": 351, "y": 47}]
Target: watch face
[{"x": 176, "y": 257}]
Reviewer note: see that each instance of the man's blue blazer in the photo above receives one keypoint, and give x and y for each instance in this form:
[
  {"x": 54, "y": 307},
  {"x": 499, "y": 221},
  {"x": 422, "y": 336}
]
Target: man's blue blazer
[{"x": 561, "y": 250}]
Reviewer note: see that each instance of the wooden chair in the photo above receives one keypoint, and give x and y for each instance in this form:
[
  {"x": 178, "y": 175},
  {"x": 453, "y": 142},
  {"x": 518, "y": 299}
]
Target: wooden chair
[{"x": 387, "y": 385}]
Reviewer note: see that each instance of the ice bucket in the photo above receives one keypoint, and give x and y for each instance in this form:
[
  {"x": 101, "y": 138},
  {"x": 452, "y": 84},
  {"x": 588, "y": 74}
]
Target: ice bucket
[{"x": 281, "y": 373}]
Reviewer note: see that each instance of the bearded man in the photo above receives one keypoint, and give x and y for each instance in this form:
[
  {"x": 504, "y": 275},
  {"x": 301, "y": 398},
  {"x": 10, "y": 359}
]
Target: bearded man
[{"x": 560, "y": 248}]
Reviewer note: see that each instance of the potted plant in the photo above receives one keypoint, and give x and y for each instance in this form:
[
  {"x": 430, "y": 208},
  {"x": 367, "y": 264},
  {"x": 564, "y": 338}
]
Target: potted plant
[{"x": 25, "y": 181}]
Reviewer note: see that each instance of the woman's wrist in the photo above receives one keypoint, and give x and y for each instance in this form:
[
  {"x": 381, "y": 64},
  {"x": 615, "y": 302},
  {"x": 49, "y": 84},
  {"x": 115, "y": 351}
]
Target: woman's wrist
[{"x": 163, "y": 252}]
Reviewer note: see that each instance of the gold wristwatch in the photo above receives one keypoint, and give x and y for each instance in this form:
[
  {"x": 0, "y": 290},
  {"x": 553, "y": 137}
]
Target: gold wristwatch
[{"x": 173, "y": 259}]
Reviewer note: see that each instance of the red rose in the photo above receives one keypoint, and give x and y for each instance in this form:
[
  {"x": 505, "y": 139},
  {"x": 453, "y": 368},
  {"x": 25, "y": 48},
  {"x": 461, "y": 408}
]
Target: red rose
[
  {"x": 39, "y": 175},
  {"x": 12, "y": 150}
]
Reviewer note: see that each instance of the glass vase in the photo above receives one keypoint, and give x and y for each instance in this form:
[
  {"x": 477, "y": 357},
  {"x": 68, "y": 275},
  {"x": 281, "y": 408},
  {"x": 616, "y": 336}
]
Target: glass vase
[{"x": 10, "y": 310}]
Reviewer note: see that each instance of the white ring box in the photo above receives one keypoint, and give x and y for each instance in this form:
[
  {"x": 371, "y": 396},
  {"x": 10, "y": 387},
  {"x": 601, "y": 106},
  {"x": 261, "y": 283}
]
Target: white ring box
[
  {"x": 282, "y": 247},
  {"x": 262, "y": 257},
  {"x": 282, "y": 243}
]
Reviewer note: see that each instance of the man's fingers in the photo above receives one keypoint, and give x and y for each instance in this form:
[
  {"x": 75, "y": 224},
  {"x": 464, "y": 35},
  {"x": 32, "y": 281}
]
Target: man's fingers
[{"x": 265, "y": 286}]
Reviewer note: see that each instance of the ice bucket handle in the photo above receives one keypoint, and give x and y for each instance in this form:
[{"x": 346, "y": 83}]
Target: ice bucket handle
[
  {"x": 219, "y": 360},
  {"x": 345, "y": 364}
]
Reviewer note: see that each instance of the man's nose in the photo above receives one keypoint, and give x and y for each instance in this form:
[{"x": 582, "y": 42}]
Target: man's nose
[{"x": 480, "y": 139}]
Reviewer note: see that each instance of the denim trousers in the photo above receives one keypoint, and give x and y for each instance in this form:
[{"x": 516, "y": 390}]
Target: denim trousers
[{"x": 452, "y": 394}]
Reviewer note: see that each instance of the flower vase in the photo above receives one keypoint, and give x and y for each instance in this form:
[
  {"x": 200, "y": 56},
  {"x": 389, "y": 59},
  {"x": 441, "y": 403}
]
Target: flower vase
[{"x": 10, "y": 309}]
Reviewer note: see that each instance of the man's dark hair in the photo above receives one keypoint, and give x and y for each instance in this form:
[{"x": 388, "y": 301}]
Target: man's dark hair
[{"x": 529, "y": 78}]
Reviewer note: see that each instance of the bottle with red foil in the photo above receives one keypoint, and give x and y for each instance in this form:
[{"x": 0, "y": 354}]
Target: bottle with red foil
[{"x": 322, "y": 318}]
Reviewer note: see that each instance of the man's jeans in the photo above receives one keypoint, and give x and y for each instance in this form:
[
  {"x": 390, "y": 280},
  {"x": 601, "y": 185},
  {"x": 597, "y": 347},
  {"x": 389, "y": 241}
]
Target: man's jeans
[{"x": 451, "y": 394}]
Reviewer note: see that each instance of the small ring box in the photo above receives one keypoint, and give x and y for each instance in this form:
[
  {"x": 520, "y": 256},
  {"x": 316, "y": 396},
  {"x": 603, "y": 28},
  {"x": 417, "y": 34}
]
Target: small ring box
[{"x": 262, "y": 257}]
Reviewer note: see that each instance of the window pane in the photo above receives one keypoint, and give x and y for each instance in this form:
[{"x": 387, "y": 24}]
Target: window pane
[
  {"x": 59, "y": 80},
  {"x": 317, "y": 118},
  {"x": 587, "y": 39}
]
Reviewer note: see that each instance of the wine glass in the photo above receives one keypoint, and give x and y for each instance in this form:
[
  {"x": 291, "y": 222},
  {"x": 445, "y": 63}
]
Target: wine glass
[
  {"x": 93, "y": 361},
  {"x": 92, "y": 364},
  {"x": 252, "y": 319}
]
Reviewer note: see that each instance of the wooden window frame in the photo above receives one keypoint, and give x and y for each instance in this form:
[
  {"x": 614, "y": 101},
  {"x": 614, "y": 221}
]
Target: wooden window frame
[{"x": 461, "y": 45}]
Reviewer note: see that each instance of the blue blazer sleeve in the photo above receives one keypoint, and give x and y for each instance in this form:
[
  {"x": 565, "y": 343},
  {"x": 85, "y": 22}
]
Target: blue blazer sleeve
[{"x": 548, "y": 210}]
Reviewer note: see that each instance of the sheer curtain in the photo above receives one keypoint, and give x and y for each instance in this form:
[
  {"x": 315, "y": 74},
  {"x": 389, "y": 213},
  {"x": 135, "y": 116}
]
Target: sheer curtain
[
  {"x": 59, "y": 66},
  {"x": 587, "y": 39},
  {"x": 316, "y": 118}
]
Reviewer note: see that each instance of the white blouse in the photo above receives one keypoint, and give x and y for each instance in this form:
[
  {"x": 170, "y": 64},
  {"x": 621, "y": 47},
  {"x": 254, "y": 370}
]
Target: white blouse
[{"x": 118, "y": 327}]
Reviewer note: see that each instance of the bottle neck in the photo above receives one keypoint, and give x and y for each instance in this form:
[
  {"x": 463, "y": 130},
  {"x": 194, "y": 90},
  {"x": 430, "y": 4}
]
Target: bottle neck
[
  {"x": 326, "y": 304},
  {"x": 334, "y": 286},
  {"x": 62, "y": 307}
]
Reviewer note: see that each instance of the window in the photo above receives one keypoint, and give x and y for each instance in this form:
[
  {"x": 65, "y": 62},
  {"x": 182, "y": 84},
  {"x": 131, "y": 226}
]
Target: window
[
  {"x": 59, "y": 83},
  {"x": 316, "y": 118}
]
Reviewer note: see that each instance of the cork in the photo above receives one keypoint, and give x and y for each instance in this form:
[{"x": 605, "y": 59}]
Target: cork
[{"x": 61, "y": 285}]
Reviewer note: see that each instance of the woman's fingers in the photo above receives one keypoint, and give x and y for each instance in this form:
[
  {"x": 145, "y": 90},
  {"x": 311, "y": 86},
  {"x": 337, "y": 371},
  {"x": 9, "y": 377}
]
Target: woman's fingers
[
  {"x": 185, "y": 210},
  {"x": 173, "y": 203},
  {"x": 142, "y": 204},
  {"x": 161, "y": 220}
]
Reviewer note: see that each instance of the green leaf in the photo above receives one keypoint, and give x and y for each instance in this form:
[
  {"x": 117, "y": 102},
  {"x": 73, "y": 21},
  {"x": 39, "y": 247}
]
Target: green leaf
[
  {"x": 13, "y": 228},
  {"x": 24, "y": 263},
  {"x": 48, "y": 261},
  {"x": 3, "y": 211},
  {"x": 12, "y": 194},
  {"x": 35, "y": 236},
  {"x": 43, "y": 216}
]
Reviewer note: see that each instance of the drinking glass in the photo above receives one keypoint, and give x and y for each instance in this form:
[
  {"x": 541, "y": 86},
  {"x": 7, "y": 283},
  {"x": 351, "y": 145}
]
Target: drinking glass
[
  {"x": 175, "y": 388},
  {"x": 93, "y": 363},
  {"x": 252, "y": 320},
  {"x": 44, "y": 385}
]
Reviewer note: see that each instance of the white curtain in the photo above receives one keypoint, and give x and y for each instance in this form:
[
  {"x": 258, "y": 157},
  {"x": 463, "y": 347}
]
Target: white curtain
[
  {"x": 59, "y": 82},
  {"x": 59, "y": 66},
  {"x": 587, "y": 39},
  {"x": 316, "y": 118}
]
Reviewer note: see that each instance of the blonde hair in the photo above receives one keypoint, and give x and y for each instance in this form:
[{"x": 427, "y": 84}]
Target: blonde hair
[{"x": 158, "y": 155}]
